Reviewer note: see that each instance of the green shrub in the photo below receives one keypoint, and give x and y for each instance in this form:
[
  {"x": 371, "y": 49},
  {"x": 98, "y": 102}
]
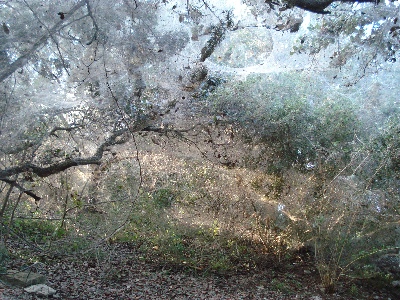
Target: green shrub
[
  {"x": 292, "y": 118},
  {"x": 335, "y": 123},
  {"x": 39, "y": 231},
  {"x": 278, "y": 285},
  {"x": 220, "y": 264},
  {"x": 384, "y": 147},
  {"x": 163, "y": 198}
]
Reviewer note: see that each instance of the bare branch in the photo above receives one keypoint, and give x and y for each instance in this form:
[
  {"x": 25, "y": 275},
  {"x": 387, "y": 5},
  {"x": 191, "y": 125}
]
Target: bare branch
[
  {"x": 52, "y": 37},
  {"x": 68, "y": 129},
  {"x": 14, "y": 183},
  {"x": 22, "y": 60},
  {"x": 115, "y": 139},
  {"x": 96, "y": 27}
]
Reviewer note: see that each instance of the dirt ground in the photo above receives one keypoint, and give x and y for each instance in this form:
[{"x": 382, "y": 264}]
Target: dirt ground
[{"x": 125, "y": 273}]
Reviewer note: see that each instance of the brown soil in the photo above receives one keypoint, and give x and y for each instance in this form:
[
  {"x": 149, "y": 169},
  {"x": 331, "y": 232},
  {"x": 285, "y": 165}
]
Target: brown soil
[{"x": 126, "y": 273}]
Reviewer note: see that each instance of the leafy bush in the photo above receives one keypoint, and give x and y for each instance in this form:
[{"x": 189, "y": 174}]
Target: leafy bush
[
  {"x": 163, "y": 197},
  {"x": 384, "y": 148},
  {"x": 334, "y": 206},
  {"x": 343, "y": 222},
  {"x": 38, "y": 230},
  {"x": 335, "y": 123},
  {"x": 279, "y": 113}
]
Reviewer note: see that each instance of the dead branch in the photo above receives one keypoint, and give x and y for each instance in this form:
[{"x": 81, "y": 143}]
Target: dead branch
[
  {"x": 23, "y": 59},
  {"x": 67, "y": 129},
  {"x": 118, "y": 137},
  {"x": 14, "y": 183},
  {"x": 96, "y": 27}
]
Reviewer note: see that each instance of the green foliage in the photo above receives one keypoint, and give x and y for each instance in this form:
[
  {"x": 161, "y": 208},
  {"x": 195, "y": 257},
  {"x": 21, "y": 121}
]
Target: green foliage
[
  {"x": 39, "y": 231},
  {"x": 344, "y": 230},
  {"x": 163, "y": 198},
  {"x": 221, "y": 264},
  {"x": 281, "y": 286},
  {"x": 76, "y": 244},
  {"x": 280, "y": 113},
  {"x": 76, "y": 199},
  {"x": 321, "y": 35},
  {"x": 335, "y": 124},
  {"x": 385, "y": 150},
  {"x": 197, "y": 248},
  {"x": 354, "y": 291}
]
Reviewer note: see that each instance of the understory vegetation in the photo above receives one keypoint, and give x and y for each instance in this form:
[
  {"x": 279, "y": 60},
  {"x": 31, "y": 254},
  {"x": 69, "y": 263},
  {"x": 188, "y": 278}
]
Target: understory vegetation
[
  {"x": 297, "y": 175},
  {"x": 208, "y": 140}
]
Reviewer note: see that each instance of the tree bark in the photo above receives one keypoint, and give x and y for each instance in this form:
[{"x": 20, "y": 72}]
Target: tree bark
[{"x": 65, "y": 164}]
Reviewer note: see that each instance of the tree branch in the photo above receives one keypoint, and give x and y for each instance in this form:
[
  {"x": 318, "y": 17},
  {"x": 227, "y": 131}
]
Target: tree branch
[
  {"x": 68, "y": 129},
  {"x": 22, "y": 60},
  {"x": 115, "y": 139},
  {"x": 96, "y": 27},
  {"x": 21, "y": 188}
]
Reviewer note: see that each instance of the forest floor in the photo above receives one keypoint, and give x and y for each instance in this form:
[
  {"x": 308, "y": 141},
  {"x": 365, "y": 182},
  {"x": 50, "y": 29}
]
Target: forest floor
[{"x": 123, "y": 272}]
